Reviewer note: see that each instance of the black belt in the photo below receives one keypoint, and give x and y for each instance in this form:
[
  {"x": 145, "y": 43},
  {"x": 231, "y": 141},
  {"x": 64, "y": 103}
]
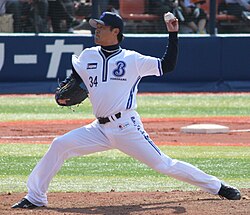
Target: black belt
[{"x": 104, "y": 120}]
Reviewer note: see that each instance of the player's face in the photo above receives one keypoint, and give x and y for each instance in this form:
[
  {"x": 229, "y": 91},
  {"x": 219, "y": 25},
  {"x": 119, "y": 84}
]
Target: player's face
[{"x": 104, "y": 36}]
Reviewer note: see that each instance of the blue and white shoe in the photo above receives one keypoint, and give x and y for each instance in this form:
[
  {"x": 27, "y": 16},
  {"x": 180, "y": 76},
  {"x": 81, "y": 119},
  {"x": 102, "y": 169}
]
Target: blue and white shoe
[
  {"x": 24, "y": 203},
  {"x": 229, "y": 192}
]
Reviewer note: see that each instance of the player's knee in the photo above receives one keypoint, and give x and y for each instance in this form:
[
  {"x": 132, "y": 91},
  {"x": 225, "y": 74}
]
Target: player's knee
[
  {"x": 58, "y": 144},
  {"x": 160, "y": 167},
  {"x": 59, "y": 147},
  {"x": 165, "y": 165}
]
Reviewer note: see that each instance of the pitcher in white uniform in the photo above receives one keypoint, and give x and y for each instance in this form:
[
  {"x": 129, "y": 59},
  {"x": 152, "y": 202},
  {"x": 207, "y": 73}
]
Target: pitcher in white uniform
[{"x": 111, "y": 75}]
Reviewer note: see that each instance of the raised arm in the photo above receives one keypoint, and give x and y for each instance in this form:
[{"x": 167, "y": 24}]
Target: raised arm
[{"x": 169, "y": 59}]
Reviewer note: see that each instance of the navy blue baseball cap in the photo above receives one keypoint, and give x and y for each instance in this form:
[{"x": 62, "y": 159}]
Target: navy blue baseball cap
[{"x": 108, "y": 19}]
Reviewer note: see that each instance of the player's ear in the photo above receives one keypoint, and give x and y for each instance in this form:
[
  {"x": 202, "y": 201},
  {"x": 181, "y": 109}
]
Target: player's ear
[{"x": 116, "y": 31}]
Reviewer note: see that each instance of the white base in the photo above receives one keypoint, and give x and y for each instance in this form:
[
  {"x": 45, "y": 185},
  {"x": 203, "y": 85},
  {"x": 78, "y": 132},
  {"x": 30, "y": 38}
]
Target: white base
[{"x": 205, "y": 129}]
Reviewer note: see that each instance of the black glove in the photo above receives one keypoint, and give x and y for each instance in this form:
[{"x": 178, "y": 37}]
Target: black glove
[{"x": 71, "y": 91}]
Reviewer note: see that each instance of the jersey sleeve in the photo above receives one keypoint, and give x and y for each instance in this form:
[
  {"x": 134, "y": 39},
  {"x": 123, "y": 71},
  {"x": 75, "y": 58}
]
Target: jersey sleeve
[
  {"x": 76, "y": 62},
  {"x": 78, "y": 66},
  {"x": 147, "y": 65}
]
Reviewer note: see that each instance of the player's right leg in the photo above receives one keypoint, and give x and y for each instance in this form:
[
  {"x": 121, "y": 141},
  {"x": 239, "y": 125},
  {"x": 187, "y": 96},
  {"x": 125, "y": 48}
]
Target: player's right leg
[{"x": 81, "y": 141}]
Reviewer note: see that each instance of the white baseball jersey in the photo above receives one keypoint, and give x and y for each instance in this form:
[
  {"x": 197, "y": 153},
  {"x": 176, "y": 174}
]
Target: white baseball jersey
[{"x": 112, "y": 82}]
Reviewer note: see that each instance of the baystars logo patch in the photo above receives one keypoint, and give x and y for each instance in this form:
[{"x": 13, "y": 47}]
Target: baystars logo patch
[{"x": 119, "y": 71}]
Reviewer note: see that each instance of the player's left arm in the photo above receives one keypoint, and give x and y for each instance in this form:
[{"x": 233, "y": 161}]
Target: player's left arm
[{"x": 169, "y": 59}]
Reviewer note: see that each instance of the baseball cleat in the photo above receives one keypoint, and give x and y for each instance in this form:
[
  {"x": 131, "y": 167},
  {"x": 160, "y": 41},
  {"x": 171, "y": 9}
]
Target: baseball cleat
[
  {"x": 24, "y": 203},
  {"x": 229, "y": 192}
]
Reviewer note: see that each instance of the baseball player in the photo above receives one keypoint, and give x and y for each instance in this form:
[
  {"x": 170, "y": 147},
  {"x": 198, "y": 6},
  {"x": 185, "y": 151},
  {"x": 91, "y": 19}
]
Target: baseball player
[{"x": 111, "y": 75}]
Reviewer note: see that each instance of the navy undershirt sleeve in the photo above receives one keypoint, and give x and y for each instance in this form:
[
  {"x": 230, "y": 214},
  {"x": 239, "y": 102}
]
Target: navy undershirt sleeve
[{"x": 169, "y": 59}]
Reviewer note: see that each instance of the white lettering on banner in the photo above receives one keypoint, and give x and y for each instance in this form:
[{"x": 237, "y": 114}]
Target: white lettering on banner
[
  {"x": 1, "y": 55},
  {"x": 57, "y": 49},
  {"x": 25, "y": 59}
]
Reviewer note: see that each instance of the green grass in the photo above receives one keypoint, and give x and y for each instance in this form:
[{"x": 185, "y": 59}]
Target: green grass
[
  {"x": 194, "y": 105},
  {"x": 170, "y": 105},
  {"x": 41, "y": 107},
  {"x": 104, "y": 171},
  {"x": 114, "y": 170}
]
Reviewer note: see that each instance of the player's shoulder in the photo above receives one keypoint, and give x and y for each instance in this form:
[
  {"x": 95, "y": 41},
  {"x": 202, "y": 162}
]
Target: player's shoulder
[
  {"x": 130, "y": 52},
  {"x": 91, "y": 49}
]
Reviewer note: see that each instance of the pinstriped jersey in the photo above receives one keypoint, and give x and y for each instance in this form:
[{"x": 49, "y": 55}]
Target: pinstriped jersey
[{"x": 112, "y": 82}]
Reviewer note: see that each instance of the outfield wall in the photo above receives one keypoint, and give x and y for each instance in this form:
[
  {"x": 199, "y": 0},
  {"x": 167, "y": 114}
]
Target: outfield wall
[{"x": 34, "y": 63}]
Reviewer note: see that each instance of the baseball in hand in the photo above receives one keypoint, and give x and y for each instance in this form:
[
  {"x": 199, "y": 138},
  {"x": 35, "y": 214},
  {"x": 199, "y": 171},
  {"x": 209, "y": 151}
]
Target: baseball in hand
[{"x": 168, "y": 16}]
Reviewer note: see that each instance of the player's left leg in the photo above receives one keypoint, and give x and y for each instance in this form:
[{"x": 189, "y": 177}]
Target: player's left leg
[{"x": 134, "y": 141}]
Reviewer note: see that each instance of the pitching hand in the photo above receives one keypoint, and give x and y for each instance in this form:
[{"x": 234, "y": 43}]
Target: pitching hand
[{"x": 172, "y": 25}]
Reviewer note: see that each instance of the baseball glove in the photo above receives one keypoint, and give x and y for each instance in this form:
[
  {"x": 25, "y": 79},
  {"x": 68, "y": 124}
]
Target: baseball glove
[{"x": 71, "y": 91}]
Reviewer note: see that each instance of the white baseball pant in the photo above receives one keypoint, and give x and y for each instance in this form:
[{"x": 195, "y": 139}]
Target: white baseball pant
[{"x": 126, "y": 134}]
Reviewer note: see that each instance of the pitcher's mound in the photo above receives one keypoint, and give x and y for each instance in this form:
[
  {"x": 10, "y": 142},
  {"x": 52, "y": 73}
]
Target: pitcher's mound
[{"x": 205, "y": 129}]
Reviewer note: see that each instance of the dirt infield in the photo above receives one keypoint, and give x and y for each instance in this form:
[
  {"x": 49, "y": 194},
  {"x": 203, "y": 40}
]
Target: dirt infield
[
  {"x": 131, "y": 203},
  {"x": 163, "y": 132}
]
